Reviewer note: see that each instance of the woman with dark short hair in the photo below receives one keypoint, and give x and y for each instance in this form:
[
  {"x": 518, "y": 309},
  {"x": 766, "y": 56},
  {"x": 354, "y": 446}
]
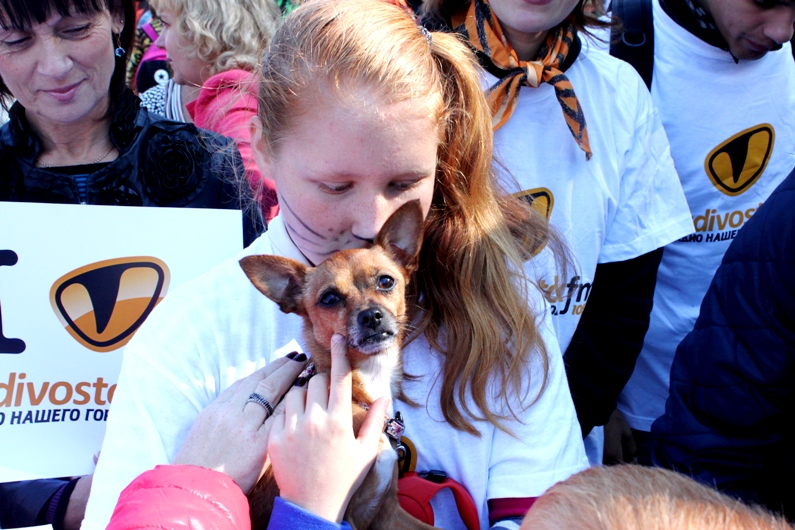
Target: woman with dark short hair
[{"x": 77, "y": 135}]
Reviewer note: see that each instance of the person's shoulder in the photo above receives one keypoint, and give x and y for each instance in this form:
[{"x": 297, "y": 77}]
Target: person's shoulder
[
  {"x": 611, "y": 89},
  {"x": 228, "y": 274},
  {"x": 205, "y": 291},
  {"x": 614, "y": 98},
  {"x": 159, "y": 129},
  {"x": 171, "y": 146},
  {"x": 597, "y": 62},
  {"x": 223, "y": 93},
  {"x": 220, "y": 294},
  {"x": 179, "y": 164}
]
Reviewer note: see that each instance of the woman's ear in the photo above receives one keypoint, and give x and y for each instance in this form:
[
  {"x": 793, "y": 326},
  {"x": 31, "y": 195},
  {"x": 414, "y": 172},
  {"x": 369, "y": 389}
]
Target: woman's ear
[
  {"x": 116, "y": 24},
  {"x": 260, "y": 148}
]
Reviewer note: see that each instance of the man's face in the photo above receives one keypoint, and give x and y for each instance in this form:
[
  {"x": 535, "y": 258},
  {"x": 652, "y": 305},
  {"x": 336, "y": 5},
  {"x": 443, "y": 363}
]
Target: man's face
[{"x": 753, "y": 27}]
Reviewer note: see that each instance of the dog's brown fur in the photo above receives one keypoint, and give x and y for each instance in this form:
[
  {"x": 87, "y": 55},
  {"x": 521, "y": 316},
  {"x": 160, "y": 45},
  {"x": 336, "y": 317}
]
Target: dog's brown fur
[{"x": 359, "y": 294}]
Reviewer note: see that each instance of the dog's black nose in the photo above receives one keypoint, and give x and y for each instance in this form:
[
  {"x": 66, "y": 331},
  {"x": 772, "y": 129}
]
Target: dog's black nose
[{"x": 370, "y": 318}]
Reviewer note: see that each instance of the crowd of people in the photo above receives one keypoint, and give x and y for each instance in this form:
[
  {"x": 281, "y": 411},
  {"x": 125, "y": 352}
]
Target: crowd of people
[{"x": 605, "y": 274}]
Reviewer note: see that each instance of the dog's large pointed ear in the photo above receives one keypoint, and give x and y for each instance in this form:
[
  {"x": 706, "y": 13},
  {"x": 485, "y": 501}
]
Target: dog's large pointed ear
[
  {"x": 401, "y": 235},
  {"x": 280, "y": 279}
]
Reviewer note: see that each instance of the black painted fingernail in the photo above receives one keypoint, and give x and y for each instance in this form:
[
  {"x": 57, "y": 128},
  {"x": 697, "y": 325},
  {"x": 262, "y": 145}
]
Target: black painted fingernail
[
  {"x": 301, "y": 358},
  {"x": 292, "y": 355},
  {"x": 301, "y": 381}
]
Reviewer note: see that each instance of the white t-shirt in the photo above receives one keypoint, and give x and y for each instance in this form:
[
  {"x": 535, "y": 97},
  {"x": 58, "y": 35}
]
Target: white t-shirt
[
  {"x": 219, "y": 328},
  {"x": 706, "y": 99},
  {"x": 622, "y": 203}
]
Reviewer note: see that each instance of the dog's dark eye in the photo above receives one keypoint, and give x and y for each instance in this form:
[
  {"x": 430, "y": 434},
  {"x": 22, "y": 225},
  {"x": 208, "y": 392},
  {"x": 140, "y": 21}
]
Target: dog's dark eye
[
  {"x": 386, "y": 283},
  {"x": 330, "y": 299}
]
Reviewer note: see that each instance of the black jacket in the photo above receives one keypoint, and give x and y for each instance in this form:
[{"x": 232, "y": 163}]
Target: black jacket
[
  {"x": 731, "y": 401},
  {"x": 160, "y": 163}
]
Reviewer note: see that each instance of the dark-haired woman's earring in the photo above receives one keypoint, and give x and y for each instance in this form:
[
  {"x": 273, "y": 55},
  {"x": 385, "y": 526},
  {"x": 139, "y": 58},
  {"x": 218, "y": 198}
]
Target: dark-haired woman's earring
[{"x": 119, "y": 51}]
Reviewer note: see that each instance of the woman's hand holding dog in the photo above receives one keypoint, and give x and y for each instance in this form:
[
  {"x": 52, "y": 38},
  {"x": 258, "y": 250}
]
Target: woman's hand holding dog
[
  {"x": 317, "y": 461},
  {"x": 229, "y": 435}
]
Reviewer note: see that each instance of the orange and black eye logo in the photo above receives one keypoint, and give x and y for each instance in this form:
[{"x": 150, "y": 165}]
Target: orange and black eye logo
[
  {"x": 736, "y": 164},
  {"x": 102, "y": 304},
  {"x": 539, "y": 198},
  {"x": 542, "y": 201}
]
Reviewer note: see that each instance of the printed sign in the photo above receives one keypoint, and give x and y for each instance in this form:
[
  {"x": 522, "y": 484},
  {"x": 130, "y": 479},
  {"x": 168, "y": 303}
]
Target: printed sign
[{"x": 76, "y": 282}]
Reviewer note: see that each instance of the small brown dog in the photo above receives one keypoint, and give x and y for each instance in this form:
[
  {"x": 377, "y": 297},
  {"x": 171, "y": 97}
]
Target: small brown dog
[{"x": 359, "y": 294}]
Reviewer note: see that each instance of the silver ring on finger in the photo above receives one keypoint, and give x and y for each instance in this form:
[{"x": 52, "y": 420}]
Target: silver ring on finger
[{"x": 256, "y": 398}]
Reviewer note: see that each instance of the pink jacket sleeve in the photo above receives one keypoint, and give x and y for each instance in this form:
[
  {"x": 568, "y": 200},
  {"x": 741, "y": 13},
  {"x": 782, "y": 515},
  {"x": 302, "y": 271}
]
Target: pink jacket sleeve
[
  {"x": 181, "y": 497},
  {"x": 225, "y": 105}
]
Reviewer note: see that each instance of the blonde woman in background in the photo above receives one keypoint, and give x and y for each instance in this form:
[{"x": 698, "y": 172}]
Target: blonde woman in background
[{"x": 213, "y": 46}]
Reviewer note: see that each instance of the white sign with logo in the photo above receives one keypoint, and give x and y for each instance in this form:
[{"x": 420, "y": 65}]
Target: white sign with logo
[{"x": 76, "y": 282}]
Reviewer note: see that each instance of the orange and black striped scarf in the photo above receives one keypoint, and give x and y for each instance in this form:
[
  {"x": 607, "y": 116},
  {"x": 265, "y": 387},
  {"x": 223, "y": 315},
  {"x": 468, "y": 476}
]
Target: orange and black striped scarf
[{"x": 484, "y": 34}]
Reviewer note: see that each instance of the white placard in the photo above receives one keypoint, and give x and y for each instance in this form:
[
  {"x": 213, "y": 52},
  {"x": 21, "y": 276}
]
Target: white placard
[{"x": 75, "y": 281}]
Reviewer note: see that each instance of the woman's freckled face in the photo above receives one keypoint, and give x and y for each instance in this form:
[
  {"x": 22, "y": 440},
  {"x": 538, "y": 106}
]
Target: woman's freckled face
[
  {"x": 60, "y": 70},
  {"x": 343, "y": 170}
]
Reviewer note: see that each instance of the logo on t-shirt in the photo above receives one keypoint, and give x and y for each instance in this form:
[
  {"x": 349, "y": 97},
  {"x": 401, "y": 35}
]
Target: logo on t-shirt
[
  {"x": 539, "y": 198},
  {"x": 542, "y": 201},
  {"x": 736, "y": 164},
  {"x": 102, "y": 304}
]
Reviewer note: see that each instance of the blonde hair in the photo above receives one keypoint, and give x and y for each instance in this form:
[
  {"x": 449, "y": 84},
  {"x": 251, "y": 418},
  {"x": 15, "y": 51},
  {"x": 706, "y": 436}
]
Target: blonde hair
[
  {"x": 226, "y": 34},
  {"x": 632, "y": 497},
  {"x": 469, "y": 295}
]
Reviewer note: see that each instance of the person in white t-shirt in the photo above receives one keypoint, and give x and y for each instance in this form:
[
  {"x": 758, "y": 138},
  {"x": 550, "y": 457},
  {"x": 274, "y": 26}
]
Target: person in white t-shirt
[
  {"x": 724, "y": 84},
  {"x": 576, "y": 133},
  {"x": 360, "y": 111}
]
